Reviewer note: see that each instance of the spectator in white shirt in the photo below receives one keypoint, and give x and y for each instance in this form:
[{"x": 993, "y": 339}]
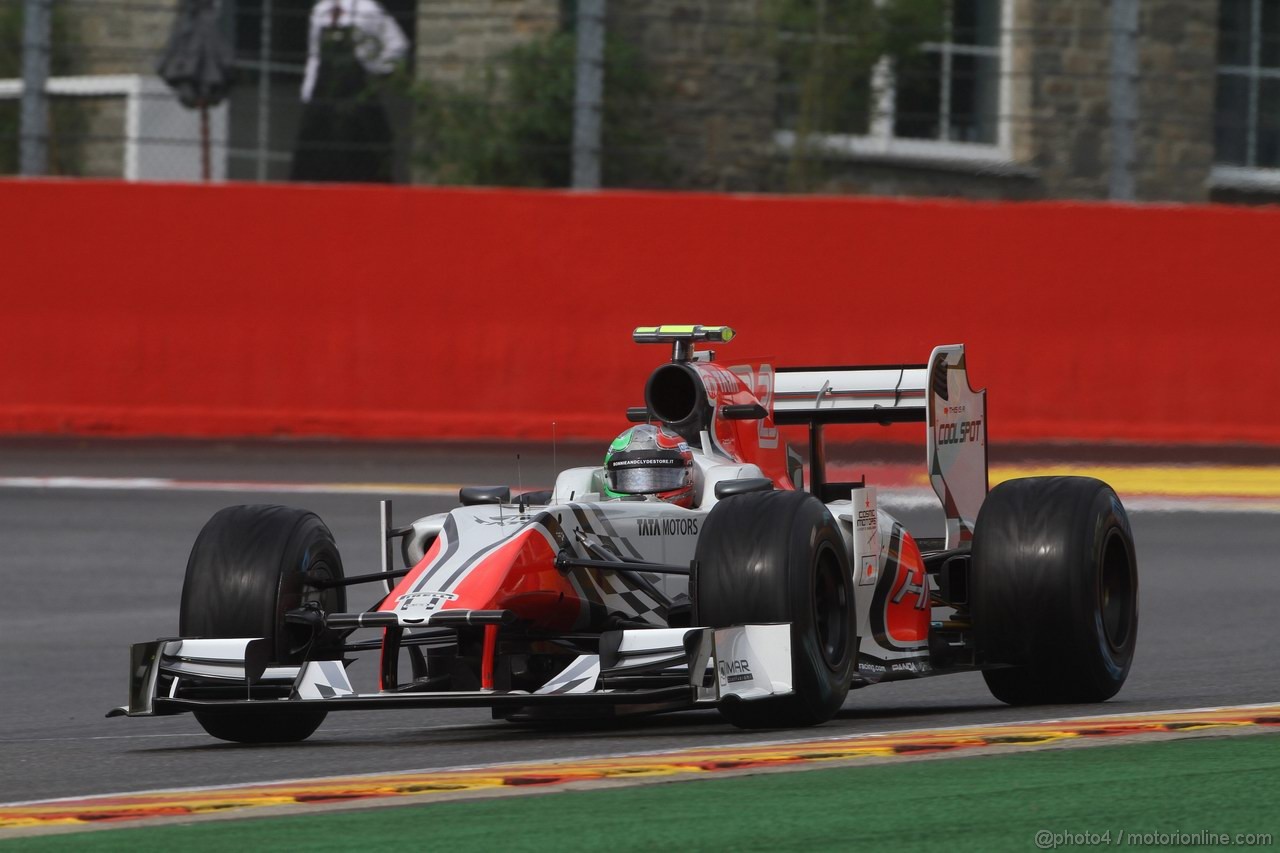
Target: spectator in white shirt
[{"x": 345, "y": 134}]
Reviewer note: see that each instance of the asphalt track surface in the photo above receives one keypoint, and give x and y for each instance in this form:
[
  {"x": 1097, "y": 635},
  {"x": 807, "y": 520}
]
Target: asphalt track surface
[{"x": 88, "y": 571}]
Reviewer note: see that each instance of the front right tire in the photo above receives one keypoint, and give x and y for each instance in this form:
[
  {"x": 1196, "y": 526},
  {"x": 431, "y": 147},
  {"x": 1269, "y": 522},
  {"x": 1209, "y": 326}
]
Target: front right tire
[{"x": 248, "y": 567}]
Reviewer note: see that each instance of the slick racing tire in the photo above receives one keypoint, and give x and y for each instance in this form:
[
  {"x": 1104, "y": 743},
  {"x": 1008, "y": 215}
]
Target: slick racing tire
[
  {"x": 1054, "y": 595},
  {"x": 779, "y": 557},
  {"x": 246, "y": 570}
]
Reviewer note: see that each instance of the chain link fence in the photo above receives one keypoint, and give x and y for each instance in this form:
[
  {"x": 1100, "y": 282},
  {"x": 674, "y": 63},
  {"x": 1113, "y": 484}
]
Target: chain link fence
[{"x": 1158, "y": 100}]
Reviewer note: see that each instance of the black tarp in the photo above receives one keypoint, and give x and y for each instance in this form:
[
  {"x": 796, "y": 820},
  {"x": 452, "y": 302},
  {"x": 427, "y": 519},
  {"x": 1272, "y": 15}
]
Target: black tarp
[{"x": 196, "y": 63}]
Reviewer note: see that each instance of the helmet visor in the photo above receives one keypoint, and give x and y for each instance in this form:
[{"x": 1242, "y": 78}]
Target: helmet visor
[{"x": 647, "y": 479}]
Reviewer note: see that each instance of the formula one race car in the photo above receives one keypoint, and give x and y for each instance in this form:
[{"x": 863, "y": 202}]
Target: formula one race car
[{"x": 695, "y": 568}]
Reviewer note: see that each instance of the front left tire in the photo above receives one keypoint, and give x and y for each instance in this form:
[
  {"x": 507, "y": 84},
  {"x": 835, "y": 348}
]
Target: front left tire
[{"x": 779, "y": 556}]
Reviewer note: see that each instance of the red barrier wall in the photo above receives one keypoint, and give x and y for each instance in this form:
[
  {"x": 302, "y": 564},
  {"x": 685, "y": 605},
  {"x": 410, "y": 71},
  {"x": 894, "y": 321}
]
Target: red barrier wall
[{"x": 376, "y": 312}]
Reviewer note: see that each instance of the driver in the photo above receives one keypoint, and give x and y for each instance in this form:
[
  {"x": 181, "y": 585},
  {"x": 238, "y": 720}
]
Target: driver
[{"x": 650, "y": 460}]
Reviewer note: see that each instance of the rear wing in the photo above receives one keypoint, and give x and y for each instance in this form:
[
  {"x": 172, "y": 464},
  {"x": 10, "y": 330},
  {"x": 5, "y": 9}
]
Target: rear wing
[
  {"x": 937, "y": 394},
  {"x": 881, "y": 394}
]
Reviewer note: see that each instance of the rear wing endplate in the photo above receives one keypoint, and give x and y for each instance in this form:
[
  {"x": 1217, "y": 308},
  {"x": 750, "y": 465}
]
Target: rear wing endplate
[{"x": 957, "y": 442}]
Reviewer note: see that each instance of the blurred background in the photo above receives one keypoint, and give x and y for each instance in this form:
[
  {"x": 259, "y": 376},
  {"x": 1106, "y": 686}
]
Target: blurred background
[{"x": 1158, "y": 100}]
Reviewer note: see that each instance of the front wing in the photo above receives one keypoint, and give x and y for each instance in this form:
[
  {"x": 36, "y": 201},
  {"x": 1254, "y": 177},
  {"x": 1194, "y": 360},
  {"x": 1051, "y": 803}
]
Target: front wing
[{"x": 744, "y": 663}]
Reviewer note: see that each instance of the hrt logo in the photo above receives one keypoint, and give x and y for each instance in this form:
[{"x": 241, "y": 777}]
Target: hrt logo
[{"x": 911, "y": 587}]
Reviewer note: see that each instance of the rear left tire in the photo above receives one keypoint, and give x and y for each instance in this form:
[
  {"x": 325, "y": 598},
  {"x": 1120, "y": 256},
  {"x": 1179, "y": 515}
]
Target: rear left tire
[{"x": 1054, "y": 591}]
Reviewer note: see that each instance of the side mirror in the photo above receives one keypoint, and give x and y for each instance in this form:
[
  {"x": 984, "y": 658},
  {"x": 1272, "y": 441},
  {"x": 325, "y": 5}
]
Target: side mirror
[
  {"x": 476, "y": 495},
  {"x": 729, "y": 488}
]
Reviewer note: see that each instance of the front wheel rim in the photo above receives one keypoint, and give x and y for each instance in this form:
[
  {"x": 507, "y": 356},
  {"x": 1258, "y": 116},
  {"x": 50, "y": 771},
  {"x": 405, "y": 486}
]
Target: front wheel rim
[{"x": 300, "y": 637}]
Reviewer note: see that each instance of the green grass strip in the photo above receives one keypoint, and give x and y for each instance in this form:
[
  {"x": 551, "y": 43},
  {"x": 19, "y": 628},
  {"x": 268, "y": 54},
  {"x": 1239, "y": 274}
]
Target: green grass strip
[{"x": 1221, "y": 785}]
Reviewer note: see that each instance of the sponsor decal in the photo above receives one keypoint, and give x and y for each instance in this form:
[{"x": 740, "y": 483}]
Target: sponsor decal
[
  {"x": 920, "y": 667},
  {"x": 505, "y": 519},
  {"x": 650, "y": 461},
  {"x": 424, "y": 600},
  {"x": 719, "y": 381},
  {"x": 959, "y": 432},
  {"x": 733, "y": 671},
  {"x": 866, "y": 541},
  {"x": 877, "y": 667},
  {"x": 668, "y": 526},
  {"x": 869, "y": 569}
]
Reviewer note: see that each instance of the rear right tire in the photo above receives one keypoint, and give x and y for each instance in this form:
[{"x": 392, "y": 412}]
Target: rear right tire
[{"x": 1054, "y": 591}]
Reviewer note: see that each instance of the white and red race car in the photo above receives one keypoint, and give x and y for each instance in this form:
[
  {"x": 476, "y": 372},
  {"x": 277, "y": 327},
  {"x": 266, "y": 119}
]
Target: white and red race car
[{"x": 767, "y": 598}]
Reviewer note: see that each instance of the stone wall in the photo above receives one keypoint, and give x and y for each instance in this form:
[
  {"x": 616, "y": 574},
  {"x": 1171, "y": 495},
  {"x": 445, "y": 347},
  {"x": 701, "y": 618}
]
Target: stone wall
[
  {"x": 709, "y": 73},
  {"x": 712, "y": 72},
  {"x": 913, "y": 179},
  {"x": 115, "y": 38},
  {"x": 1059, "y": 109},
  {"x": 1064, "y": 50},
  {"x": 1177, "y": 61},
  {"x": 121, "y": 38},
  {"x": 1067, "y": 62},
  {"x": 457, "y": 38},
  {"x": 101, "y": 155}
]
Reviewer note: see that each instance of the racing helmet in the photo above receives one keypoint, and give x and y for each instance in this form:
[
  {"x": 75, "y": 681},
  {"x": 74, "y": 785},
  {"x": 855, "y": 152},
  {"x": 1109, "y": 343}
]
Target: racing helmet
[{"x": 650, "y": 460}]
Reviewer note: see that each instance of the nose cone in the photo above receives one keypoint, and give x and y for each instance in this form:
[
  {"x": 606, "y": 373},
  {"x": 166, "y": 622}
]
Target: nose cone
[{"x": 520, "y": 575}]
